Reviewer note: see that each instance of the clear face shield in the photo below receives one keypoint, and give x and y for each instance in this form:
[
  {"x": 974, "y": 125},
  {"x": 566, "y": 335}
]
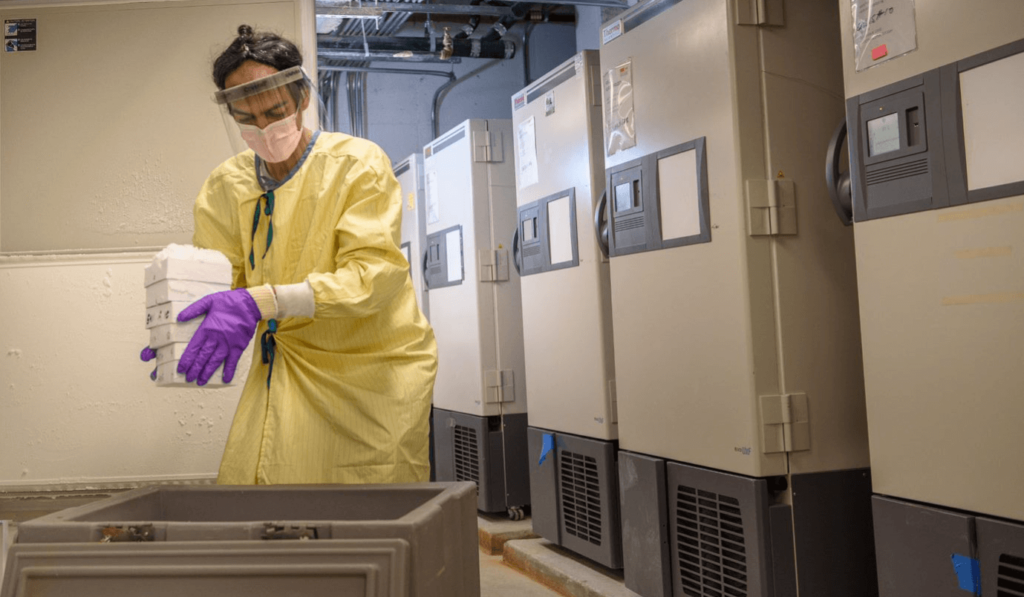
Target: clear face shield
[{"x": 265, "y": 114}]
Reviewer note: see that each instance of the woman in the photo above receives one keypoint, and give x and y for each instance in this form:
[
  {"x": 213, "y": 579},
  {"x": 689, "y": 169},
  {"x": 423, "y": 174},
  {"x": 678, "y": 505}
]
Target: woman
[{"x": 341, "y": 387}]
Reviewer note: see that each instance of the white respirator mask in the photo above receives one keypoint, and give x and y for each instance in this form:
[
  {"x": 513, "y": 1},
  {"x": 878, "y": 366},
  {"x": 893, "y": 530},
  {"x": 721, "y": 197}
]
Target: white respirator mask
[{"x": 275, "y": 142}]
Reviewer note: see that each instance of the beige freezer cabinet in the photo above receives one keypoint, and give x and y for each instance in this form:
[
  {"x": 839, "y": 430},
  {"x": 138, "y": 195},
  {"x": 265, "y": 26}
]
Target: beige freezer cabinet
[
  {"x": 938, "y": 218},
  {"x": 737, "y": 343},
  {"x": 567, "y": 328},
  {"x": 371, "y": 540},
  {"x": 409, "y": 173},
  {"x": 476, "y": 312}
]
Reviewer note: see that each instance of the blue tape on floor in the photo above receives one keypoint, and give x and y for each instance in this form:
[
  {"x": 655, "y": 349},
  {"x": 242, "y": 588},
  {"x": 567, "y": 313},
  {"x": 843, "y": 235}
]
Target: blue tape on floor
[
  {"x": 968, "y": 572},
  {"x": 549, "y": 445}
]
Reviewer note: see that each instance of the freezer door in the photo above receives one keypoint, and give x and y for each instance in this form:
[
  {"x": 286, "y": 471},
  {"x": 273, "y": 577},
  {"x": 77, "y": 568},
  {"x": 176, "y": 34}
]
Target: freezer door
[
  {"x": 462, "y": 310},
  {"x": 565, "y": 277}
]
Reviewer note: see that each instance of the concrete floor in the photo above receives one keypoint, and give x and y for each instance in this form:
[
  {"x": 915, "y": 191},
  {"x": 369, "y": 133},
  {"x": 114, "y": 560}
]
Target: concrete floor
[{"x": 499, "y": 579}]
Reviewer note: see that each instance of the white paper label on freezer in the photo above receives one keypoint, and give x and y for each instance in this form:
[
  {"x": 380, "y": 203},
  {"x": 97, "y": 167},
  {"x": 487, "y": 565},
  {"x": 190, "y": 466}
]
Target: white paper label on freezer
[
  {"x": 618, "y": 100},
  {"x": 679, "y": 195},
  {"x": 993, "y": 109},
  {"x": 882, "y": 30},
  {"x": 560, "y": 230},
  {"x": 433, "y": 203},
  {"x": 526, "y": 146},
  {"x": 453, "y": 245}
]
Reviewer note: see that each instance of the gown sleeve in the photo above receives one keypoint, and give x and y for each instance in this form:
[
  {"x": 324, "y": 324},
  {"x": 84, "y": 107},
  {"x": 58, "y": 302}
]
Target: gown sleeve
[
  {"x": 370, "y": 267},
  {"x": 216, "y": 226}
]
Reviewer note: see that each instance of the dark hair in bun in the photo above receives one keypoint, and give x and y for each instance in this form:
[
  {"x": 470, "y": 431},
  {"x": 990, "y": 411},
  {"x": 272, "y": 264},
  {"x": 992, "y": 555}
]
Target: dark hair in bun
[{"x": 263, "y": 47}]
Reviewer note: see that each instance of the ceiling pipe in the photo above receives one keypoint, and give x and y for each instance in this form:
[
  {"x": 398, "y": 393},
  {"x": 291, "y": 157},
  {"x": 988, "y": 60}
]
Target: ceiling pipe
[
  {"x": 464, "y": 48},
  {"x": 407, "y": 57}
]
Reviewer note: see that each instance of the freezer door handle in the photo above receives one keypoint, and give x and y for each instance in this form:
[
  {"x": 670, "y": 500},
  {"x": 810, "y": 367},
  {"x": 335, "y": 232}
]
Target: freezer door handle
[
  {"x": 426, "y": 280},
  {"x": 601, "y": 223},
  {"x": 515, "y": 251},
  {"x": 839, "y": 184}
]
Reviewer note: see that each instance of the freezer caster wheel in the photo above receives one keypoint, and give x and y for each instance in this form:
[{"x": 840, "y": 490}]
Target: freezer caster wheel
[{"x": 516, "y": 513}]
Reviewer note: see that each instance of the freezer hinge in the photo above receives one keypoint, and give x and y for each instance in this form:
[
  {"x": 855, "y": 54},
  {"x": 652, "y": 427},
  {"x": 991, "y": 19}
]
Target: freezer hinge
[
  {"x": 493, "y": 265},
  {"x": 786, "y": 425},
  {"x": 275, "y": 532},
  {"x": 760, "y": 12},
  {"x": 499, "y": 386},
  {"x": 771, "y": 207},
  {"x": 487, "y": 146}
]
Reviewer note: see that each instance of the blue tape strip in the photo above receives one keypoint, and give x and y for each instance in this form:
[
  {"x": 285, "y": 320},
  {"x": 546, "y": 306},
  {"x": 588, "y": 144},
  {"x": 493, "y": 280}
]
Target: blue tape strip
[
  {"x": 968, "y": 572},
  {"x": 549, "y": 445}
]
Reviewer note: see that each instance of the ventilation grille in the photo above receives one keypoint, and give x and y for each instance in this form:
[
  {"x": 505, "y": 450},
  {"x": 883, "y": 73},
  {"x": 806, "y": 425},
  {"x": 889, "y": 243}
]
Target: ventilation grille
[
  {"x": 629, "y": 223},
  {"x": 1011, "y": 576},
  {"x": 581, "y": 496},
  {"x": 467, "y": 455},
  {"x": 712, "y": 556},
  {"x": 531, "y": 251},
  {"x": 892, "y": 173}
]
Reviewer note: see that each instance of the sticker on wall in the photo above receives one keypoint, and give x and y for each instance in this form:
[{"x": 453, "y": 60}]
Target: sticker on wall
[
  {"x": 19, "y": 35},
  {"x": 433, "y": 203},
  {"x": 882, "y": 30},
  {"x": 618, "y": 100},
  {"x": 410, "y": 202},
  {"x": 526, "y": 153},
  {"x": 549, "y": 103},
  {"x": 611, "y": 32}
]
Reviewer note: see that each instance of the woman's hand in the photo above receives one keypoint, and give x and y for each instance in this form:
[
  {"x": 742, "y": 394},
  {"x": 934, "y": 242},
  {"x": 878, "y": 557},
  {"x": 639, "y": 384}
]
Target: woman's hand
[{"x": 222, "y": 337}]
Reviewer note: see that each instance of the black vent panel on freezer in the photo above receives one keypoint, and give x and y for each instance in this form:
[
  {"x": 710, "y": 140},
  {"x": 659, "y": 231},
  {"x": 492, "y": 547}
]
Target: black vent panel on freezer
[
  {"x": 467, "y": 454},
  {"x": 580, "y": 490},
  {"x": 712, "y": 554},
  {"x": 1011, "y": 576}
]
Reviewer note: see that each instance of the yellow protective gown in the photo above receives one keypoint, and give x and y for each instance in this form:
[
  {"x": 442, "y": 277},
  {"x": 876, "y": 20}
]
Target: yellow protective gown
[{"x": 350, "y": 394}]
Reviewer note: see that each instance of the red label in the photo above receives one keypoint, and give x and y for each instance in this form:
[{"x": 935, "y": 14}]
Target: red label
[{"x": 879, "y": 52}]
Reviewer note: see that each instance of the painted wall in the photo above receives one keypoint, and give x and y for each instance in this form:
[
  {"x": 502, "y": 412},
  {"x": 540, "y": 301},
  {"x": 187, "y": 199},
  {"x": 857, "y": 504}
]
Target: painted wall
[
  {"x": 76, "y": 404},
  {"x": 399, "y": 106}
]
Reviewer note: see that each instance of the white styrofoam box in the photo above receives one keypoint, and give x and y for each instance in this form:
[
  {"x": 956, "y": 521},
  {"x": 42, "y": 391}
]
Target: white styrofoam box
[
  {"x": 166, "y": 291},
  {"x": 185, "y": 262},
  {"x": 170, "y": 352},
  {"x": 165, "y": 313},
  {"x": 162, "y": 335},
  {"x": 167, "y": 376}
]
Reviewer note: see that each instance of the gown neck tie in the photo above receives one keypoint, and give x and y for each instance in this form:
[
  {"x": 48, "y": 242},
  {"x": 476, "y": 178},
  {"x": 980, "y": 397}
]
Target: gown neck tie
[{"x": 269, "y": 211}]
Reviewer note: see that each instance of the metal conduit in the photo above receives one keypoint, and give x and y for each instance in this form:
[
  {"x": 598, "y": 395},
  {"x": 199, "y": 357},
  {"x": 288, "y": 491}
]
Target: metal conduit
[{"x": 442, "y": 91}]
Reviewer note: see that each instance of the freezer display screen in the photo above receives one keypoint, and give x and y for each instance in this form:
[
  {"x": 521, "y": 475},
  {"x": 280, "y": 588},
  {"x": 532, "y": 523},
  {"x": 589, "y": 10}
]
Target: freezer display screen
[
  {"x": 883, "y": 134},
  {"x": 624, "y": 196}
]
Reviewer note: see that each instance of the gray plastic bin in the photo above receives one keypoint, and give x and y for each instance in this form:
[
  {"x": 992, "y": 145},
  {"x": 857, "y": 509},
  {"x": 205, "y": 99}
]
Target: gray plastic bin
[{"x": 317, "y": 540}]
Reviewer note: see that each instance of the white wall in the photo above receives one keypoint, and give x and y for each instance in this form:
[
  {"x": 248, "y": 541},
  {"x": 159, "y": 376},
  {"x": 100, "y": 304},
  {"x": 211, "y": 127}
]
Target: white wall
[
  {"x": 399, "y": 106},
  {"x": 76, "y": 404}
]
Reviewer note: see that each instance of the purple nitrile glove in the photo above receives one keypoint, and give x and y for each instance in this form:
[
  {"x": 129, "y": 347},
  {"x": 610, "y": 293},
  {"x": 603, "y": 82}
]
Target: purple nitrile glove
[
  {"x": 231, "y": 320},
  {"x": 147, "y": 355}
]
